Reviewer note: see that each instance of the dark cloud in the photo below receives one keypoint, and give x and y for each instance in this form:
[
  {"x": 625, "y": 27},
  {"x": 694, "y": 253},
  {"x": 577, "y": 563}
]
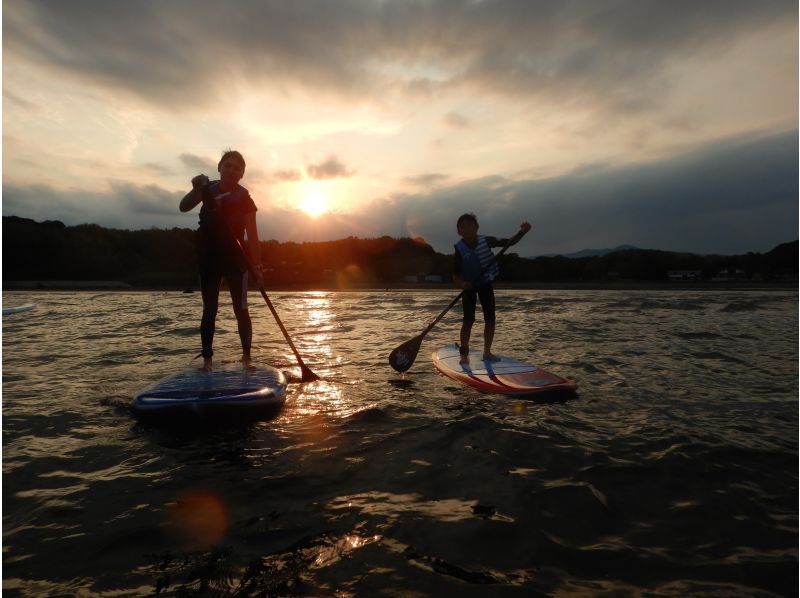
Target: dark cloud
[
  {"x": 731, "y": 197},
  {"x": 198, "y": 164},
  {"x": 158, "y": 169},
  {"x": 170, "y": 53},
  {"x": 148, "y": 200},
  {"x": 330, "y": 168},
  {"x": 20, "y": 101},
  {"x": 125, "y": 205},
  {"x": 282, "y": 176},
  {"x": 455, "y": 120},
  {"x": 426, "y": 180},
  {"x": 42, "y": 202}
]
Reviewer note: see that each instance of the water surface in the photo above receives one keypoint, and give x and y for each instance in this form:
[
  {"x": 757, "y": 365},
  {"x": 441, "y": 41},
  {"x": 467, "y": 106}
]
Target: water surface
[{"x": 674, "y": 470}]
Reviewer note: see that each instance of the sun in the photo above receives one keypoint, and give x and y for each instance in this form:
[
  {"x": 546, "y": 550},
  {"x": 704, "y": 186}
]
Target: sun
[{"x": 314, "y": 203}]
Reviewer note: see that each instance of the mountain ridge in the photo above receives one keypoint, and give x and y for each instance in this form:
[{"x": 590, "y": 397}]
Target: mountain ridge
[{"x": 590, "y": 252}]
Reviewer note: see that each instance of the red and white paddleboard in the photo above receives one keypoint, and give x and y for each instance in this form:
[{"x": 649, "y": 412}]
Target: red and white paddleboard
[{"x": 508, "y": 376}]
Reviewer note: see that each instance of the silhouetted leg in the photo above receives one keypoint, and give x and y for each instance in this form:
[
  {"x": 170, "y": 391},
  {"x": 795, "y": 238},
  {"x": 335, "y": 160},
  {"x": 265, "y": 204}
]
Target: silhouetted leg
[
  {"x": 210, "y": 280},
  {"x": 468, "y": 302},
  {"x": 486, "y": 295},
  {"x": 237, "y": 282}
]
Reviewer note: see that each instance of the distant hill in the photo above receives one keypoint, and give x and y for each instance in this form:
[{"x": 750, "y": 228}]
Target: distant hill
[
  {"x": 52, "y": 251},
  {"x": 591, "y": 252}
]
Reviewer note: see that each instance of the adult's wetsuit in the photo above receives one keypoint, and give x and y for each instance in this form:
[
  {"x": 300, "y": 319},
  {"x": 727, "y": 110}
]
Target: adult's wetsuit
[{"x": 217, "y": 261}]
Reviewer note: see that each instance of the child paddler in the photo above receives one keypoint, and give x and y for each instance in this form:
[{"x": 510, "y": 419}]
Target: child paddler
[
  {"x": 474, "y": 270},
  {"x": 228, "y": 209}
]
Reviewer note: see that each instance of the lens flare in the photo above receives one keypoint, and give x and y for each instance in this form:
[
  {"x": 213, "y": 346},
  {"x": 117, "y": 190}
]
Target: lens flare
[{"x": 198, "y": 520}]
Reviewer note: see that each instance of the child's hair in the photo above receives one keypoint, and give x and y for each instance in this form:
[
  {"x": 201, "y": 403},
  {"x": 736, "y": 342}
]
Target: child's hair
[
  {"x": 467, "y": 216},
  {"x": 229, "y": 153}
]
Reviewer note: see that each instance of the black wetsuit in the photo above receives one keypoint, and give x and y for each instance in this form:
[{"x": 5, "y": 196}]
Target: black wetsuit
[{"x": 216, "y": 260}]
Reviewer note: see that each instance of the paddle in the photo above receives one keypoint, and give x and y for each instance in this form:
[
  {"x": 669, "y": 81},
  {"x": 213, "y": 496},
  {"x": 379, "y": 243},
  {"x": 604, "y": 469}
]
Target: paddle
[
  {"x": 402, "y": 358},
  {"x": 232, "y": 244}
]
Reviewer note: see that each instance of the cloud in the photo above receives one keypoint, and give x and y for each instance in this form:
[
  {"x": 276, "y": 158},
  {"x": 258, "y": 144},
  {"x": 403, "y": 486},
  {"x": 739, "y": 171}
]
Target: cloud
[
  {"x": 148, "y": 200},
  {"x": 283, "y": 176},
  {"x": 455, "y": 120},
  {"x": 198, "y": 163},
  {"x": 616, "y": 52},
  {"x": 330, "y": 168},
  {"x": 288, "y": 225},
  {"x": 436, "y": 107},
  {"x": 20, "y": 101},
  {"x": 42, "y": 202},
  {"x": 124, "y": 205},
  {"x": 426, "y": 180},
  {"x": 729, "y": 197},
  {"x": 157, "y": 169}
]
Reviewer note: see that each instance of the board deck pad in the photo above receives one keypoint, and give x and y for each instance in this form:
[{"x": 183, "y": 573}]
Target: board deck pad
[
  {"x": 508, "y": 376},
  {"x": 228, "y": 386}
]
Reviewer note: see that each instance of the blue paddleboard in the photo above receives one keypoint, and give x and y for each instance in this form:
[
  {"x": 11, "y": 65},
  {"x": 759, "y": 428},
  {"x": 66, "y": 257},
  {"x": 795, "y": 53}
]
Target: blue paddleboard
[{"x": 228, "y": 390}]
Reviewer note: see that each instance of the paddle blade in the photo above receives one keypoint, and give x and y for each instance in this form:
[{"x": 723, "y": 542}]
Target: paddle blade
[
  {"x": 308, "y": 375},
  {"x": 402, "y": 358}
]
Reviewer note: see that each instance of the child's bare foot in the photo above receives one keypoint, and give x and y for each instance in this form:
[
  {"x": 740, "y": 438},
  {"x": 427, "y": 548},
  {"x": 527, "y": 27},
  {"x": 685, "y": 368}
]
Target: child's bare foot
[
  {"x": 464, "y": 359},
  {"x": 206, "y": 367},
  {"x": 490, "y": 357},
  {"x": 247, "y": 361}
]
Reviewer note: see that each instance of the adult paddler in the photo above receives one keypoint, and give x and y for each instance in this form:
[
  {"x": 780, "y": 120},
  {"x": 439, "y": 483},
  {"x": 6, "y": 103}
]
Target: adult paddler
[{"x": 232, "y": 212}]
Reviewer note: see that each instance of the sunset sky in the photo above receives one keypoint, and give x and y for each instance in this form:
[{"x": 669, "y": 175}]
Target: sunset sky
[{"x": 669, "y": 124}]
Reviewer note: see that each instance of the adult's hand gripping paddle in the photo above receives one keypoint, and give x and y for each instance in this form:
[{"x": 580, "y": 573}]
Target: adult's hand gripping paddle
[
  {"x": 402, "y": 358},
  {"x": 232, "y": 244}
]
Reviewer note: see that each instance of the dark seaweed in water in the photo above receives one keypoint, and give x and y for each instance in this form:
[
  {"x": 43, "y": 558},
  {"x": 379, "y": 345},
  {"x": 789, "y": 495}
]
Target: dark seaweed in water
[{"x": 673, "y": 472}]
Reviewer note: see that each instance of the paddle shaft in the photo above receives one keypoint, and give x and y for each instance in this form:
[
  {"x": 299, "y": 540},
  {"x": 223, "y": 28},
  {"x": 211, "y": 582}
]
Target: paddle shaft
[
  {"x": 242, "y": 254},
  {"x": 307, "y": 373}
]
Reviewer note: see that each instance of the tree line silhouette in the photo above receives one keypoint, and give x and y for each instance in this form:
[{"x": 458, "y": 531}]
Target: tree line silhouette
[{"x": 50, "y": 250}]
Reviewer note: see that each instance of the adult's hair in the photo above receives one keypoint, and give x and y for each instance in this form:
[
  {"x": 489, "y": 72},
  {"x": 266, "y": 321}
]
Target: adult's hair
[
  {"x": 231, "y": 154},
  {"x": 467, "y": 216}
]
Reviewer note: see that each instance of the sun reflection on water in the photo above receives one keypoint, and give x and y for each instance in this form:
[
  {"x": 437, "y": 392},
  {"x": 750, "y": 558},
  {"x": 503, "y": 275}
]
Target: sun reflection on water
[
  {"x": 314, "y": 319},
  {"x": 317, "y": 308},
  {"x": 341, "y": 548}
]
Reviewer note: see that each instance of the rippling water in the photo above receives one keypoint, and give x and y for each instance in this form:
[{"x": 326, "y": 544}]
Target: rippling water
[{"x": 673, "y": 472}]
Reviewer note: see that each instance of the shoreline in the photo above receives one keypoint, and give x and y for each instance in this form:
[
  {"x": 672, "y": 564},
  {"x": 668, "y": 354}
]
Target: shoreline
[{"x": 119, "y": 286}]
